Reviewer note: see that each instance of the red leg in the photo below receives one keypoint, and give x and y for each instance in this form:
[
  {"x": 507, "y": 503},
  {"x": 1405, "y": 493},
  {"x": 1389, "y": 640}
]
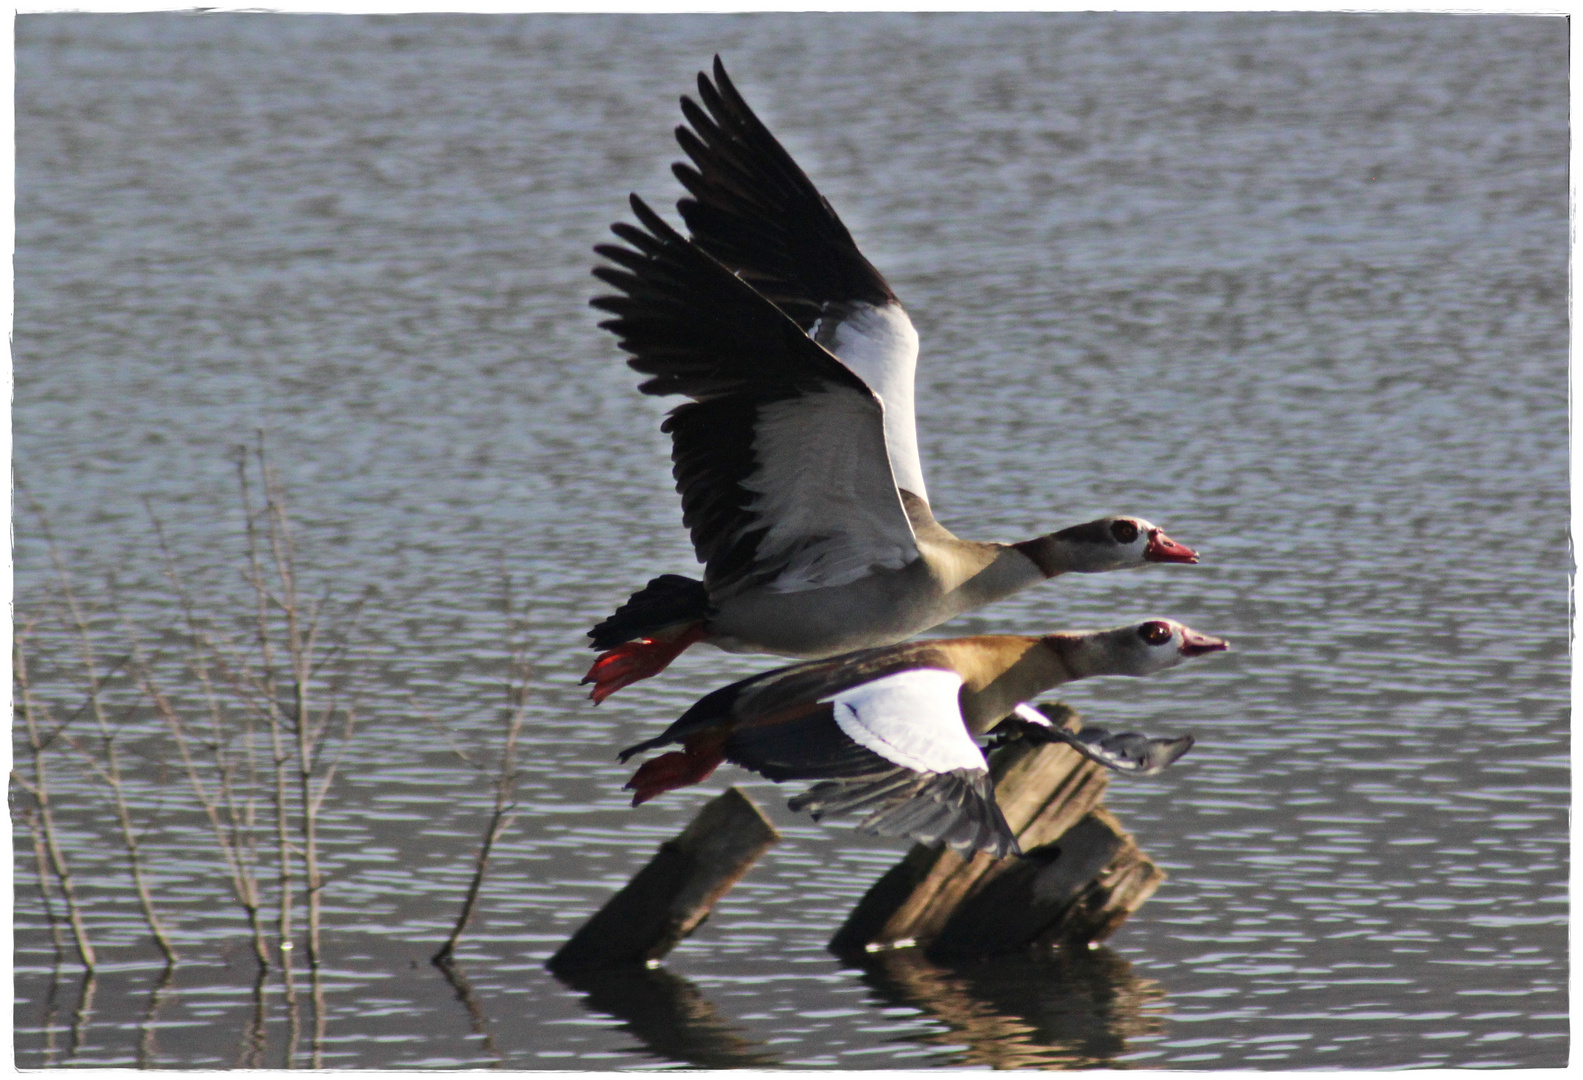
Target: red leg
[
  {"x": 673, "y": 770},
  {"x": 634, "y": 660}
]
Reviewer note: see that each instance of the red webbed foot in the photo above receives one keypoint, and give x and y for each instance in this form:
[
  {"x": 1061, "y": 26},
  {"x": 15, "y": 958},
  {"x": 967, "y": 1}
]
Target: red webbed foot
[
  {"x": 631, "y": 661},
  {"x": 678, "y": 768}
]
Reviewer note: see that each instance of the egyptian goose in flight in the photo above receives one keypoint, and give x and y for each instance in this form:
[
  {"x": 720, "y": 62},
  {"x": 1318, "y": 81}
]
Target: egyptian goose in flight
[
  {"x": 797, "y": 457},
  {"x": 891, "y": 731}
]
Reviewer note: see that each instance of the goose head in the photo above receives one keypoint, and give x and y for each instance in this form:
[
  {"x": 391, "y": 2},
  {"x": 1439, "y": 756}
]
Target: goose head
[
  {"x": 1116, "y": 543},
  {"x": 1141, "y": 648}
]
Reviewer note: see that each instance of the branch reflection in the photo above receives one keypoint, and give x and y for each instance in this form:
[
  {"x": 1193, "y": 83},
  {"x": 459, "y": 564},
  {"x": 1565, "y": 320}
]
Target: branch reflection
[
  {"x": 670, "y": 1016},
  {"x": 147, "y": 1050},
  {"x": 478, "y": 1020},
  {"x": 1077, "y": 1010}
]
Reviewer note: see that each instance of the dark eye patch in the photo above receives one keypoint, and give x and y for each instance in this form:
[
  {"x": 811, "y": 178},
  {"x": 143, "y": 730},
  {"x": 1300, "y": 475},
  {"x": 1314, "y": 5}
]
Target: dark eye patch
[
  {"x": 1124, "y": 531},
  {"x": 1155, "y": 632}
]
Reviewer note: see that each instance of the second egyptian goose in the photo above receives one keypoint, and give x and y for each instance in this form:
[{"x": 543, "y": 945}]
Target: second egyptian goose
[
  {"x": 797, "y": 457},
  {"x": 891, "y": 731}
]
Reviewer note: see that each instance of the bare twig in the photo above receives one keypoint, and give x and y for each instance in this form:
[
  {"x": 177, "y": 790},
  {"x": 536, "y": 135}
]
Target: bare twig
[
  {"x": 49, "y": 739},
  {"x": 300, "y": 724},
  {"x": 231, "y": 823},
  {"x": 110, "y": 772},
  {"x": 40, "y": 864},
  {"x": 283, "y": 693},
  {"x": 244, "y": 884},
  {"x": 38, "y": 787},
  {"x": 262, "y": 596},
  {"x": 300, "y": 641},
  {"x": 505, "y": 785}
]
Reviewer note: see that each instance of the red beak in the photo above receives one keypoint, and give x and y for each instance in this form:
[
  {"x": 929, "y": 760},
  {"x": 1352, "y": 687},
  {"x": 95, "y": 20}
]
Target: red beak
[
  {"x": 1196, "y": 644},
  {"x": 1162, "y": 548}
]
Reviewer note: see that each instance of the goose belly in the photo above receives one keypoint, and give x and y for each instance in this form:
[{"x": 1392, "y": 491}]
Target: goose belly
[{"x": 880, "y": 609}]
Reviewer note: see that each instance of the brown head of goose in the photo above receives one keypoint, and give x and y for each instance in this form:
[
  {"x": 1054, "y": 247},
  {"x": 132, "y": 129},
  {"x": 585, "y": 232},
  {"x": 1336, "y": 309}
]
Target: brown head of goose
[
  {"x": 891, "y": 732},
  {"x": 797, "y": 455}
]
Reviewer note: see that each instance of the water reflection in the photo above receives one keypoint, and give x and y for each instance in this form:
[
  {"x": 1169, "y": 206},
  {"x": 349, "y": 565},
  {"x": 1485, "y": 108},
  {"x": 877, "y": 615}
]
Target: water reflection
[
  {"x": 250, "y": 1054},
  {"x": 50, "y": 1023},
  {"x": 1074, "y": 1010},
  {"x": 670, "y": 1016},
  {"x": 147, "y": 1047},
  {"x": 477, "y": 1020}
]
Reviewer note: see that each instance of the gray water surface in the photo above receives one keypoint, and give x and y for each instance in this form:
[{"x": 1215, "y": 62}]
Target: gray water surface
[{"x": 1294, "y": 287}]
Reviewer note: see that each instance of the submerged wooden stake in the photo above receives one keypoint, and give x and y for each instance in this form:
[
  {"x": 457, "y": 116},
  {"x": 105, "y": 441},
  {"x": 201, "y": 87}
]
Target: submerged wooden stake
[
  {"x": 671, "y": 896},
  {"x": 1079, "y": 879}
]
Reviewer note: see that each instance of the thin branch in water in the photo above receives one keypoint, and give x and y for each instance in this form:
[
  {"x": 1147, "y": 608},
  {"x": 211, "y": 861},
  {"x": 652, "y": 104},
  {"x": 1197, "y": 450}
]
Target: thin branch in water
[
  {"x": 297, "y": 716},
  {"x": 110, "y": 773},
  {"x": 244, "y": 885},
  {"x": 231, "y": 823},
  {"x": 38, "y": 787},
  {"x": 299, "y": 646},
  {"x": 505, "y": 785},
  {"x": 40, "y": 864},
  {"x": 270, "y": 703}
]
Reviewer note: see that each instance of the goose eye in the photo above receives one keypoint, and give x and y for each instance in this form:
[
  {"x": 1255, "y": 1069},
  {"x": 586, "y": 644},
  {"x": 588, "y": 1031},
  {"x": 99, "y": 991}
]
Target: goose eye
[
  {"x": 1124, "y": 531},
  {"x": 1155, "y": 632}
]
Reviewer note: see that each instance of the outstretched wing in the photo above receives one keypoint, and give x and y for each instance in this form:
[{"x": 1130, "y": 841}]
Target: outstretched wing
[
  {"x": 780, "y": 457},
  {"x": 756, "y": 211},
  {"x": 895, "y": 749}
]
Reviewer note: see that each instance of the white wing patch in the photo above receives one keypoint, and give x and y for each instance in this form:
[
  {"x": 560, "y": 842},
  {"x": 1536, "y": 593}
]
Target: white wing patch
[
  {"x": 911, "y": 718},
  {"x": 880, "y": 346},
  {"x": 825, "y": 491}
]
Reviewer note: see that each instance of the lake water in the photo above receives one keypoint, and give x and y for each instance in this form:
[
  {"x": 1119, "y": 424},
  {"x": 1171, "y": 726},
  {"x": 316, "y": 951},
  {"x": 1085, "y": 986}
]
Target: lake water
[{"x": 1294, "y": 287}]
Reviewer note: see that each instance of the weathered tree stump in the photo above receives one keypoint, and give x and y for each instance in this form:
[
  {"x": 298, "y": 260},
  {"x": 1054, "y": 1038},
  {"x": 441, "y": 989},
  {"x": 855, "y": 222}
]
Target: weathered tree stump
[
  {"x": 672, "y": 896},
  {"x": 1079, "y": 879}
]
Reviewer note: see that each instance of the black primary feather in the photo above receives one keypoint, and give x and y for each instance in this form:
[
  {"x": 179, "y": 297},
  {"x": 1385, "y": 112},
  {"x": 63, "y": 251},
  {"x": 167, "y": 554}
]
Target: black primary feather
[
  {"x": 696, "y": 327},
  {"x": 754, "y": 209}
]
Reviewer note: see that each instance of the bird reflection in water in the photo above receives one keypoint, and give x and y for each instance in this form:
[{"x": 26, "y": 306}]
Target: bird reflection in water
[
  {"x": 1080, "y": 1009},
  {"x": 670, "y": 1016}
]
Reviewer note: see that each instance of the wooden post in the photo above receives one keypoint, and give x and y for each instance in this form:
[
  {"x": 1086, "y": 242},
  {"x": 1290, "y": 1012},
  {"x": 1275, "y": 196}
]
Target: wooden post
[
  {"x": 671, "y": 896},
  {"x": 1103, "y": 903},
  {"x": 1079, "y": 879}
]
